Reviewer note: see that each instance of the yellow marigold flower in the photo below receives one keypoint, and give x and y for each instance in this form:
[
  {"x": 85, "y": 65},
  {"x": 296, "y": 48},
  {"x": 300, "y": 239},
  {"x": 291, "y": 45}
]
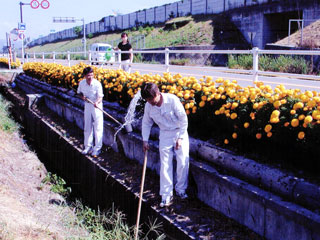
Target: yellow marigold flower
[
  {"x": 217, "y": 96},
  {"x": 234, "y": 135},
  {"x": 202, "y": 103},
  {"x": 298, "y": 105},
  {"x": 301, "y": 117},
  {"x": 276, "y": 113},
  {"x": 234, "y": 116},
  {"x": 217, "y": 112},
  {"x": 187, "y": 106},
  {"x": 294, "y": 122},
  {"x": 258, "y": 135},
  {"x": 204, "y": 98},
  {"x": 286, "y": 124},
  {"x": 308, "y": 119},
  {"x": 267, "y": 128},
  {"x": 293, "y": 112},
  {"x": 301, "y": 135},
  {"x": 246, "y": 125},
  {"x": 311, "y": 103},
  {"x": 316, "y": 114},
  {"x": 234, "y": 105},
  {"x": 277, "y": 104},
  {"x": 226, "y": 141},
  {"x": 269, "y": 134},
  {"x": 283, "y": 101}
]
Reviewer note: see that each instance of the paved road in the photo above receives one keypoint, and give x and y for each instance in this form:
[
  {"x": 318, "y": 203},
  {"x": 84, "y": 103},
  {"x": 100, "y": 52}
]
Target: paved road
[{"x": 198, "y": 72}]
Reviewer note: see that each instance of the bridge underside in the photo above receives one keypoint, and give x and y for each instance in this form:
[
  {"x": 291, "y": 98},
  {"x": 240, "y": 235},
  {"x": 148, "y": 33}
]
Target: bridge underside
[{"x": 268, "y": 23}]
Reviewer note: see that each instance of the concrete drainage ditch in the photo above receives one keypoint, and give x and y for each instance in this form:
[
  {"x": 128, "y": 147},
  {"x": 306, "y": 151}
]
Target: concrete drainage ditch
[{"x": 265, "y": 212}]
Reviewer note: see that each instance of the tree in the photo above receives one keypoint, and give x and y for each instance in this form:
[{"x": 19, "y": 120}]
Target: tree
[{"x": 77, "y": 30}]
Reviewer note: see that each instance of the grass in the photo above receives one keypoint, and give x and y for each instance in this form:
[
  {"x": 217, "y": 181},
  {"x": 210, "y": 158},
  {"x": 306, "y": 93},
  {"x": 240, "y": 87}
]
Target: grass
[
  {"x": 288, "y": 64},
  {"x": 180, "y": 62},
  {"x": 195, "y": 32},
  {"x": 107, "y": 225},
  {"x": 4, "y": 232},
  {"x": 6, "y": 123}
]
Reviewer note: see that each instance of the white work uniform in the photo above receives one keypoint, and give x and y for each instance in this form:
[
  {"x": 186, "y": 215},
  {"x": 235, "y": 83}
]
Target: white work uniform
[
  {"x": 173, "y": 123},
  {"x": 93, "y": 117}
]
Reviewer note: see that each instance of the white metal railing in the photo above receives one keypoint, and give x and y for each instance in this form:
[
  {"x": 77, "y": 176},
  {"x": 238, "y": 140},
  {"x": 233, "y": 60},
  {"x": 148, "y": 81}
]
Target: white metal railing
[{"x": 255, "y": 52}]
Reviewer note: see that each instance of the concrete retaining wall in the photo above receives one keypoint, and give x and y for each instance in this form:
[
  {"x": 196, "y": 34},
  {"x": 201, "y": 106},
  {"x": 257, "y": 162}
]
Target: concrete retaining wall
[{"x": 263, "y": 211}]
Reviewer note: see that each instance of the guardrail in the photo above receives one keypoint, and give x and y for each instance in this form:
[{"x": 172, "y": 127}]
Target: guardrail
[{"x": 255, "y": 52}]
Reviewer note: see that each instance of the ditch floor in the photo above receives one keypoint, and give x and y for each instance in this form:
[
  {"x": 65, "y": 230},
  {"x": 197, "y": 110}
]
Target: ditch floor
[{"x": 193, "y": 216}]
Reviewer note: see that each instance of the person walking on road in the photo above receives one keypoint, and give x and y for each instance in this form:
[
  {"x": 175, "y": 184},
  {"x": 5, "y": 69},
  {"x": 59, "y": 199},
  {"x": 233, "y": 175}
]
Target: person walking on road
[
  {"x": 168, "y": 113},
  {"x": 126, "y": 58},
  {"x": 90, "y": 88}
]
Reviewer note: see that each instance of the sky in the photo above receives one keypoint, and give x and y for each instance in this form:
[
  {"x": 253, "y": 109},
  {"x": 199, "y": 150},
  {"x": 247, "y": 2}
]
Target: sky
[{"x": 39, "y": 21}]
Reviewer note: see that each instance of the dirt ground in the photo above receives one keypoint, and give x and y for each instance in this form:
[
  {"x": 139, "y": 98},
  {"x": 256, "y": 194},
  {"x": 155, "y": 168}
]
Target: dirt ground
[
  {"x": 311, "y": 37},
  {"x": 28, "y": 209}
]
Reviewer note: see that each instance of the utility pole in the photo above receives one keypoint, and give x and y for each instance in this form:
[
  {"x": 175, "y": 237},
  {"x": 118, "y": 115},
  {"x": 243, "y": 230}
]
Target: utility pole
[{"x": 73, "y": 20}]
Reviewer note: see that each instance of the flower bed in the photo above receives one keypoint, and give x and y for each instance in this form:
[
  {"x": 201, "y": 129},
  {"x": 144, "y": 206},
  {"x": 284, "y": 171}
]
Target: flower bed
[
  {"x": 280, "y": 122},
  {"x": 4, "y": 62}
]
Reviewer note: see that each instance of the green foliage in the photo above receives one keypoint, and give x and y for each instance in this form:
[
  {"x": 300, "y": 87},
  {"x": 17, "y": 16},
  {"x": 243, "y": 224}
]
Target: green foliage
[
  {"x": 109, "y": 225},
  {"x": 6, "y": 123},
  {"x": 174, "y": 26},
  {"x": 90, "y": 35},
  {"x": 77, "y": 57},
  {"x": 181, "y": 61},
  {"x": 137, "y": 58},
  {"x": 77, "y": 30},
  {"x": 57, "y": 184},
  {"x": 288, "y": 64}
]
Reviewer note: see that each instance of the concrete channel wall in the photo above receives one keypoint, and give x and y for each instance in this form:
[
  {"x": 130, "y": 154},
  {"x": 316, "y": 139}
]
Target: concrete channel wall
[{"x": 259, "y": 205}]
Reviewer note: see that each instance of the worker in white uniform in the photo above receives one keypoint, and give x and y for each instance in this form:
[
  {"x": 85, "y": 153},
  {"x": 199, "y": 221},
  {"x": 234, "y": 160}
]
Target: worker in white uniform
[
  {"x": 90, "y": 88},
  {"x": 168, "y": 113}
]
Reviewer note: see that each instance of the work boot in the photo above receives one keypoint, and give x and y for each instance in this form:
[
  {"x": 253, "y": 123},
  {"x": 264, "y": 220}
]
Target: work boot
[
  {"x": 166, "y": 201},
  {"x": 95, "y": 153},
  {"x": 182, "y": 195},
  {"x": 86, "y": 150}
]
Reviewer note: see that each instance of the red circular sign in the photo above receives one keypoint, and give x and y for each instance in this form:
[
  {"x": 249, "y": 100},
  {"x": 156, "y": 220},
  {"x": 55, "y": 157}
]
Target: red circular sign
[
  {"x": 21, "y": 36},
  {"x": 45, "y": 4},
  {"x": 34, "y": 4}
]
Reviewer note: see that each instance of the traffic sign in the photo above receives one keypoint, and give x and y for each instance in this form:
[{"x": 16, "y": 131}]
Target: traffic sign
[
  {"x": 21, "y": 26},
  {"x": 20, "y": 31},
  {"x": 45, "y": 4},
  {"x": 21, "y": 36},
  {"x": 34, "y": 4}
]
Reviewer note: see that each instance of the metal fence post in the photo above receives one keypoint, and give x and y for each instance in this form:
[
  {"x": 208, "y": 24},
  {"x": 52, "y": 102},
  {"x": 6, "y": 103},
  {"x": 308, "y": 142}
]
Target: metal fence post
[
  {"x": 43, "y": 57},
  {"x": 166, "y": 59},
  {"x": 54, "y": 57},
  {"x": 255, "y": 67},
  {"x": 27, "y": 57},
  {"x": 34, "y": 56},
  {"x": 69, "y": 58},
  {"x": 119, "y": 58},
  {"x": 89, "y": 57},
  {"x": 9, "y": 60}
]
